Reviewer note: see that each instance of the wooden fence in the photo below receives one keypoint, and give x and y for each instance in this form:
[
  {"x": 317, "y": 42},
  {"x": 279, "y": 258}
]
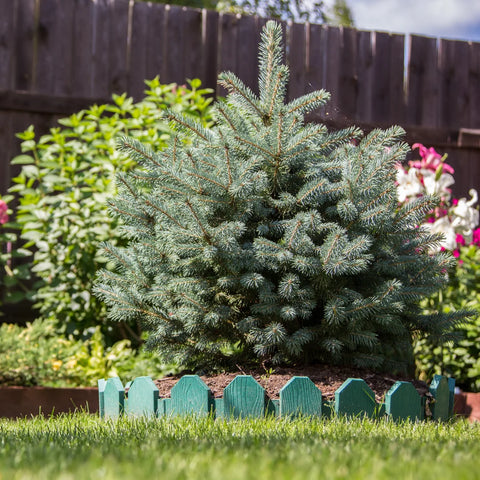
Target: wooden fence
[
  {"x": 245, "y": 397},
  {"x": 59, "y": 56}
]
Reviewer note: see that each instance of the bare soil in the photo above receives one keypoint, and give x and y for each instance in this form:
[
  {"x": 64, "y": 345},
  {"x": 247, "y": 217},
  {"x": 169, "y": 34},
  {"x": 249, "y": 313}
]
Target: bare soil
[{"x": 327, "y": 378}]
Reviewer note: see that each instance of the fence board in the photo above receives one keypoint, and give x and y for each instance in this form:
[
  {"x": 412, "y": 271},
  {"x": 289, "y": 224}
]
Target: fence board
[
  {"x": 364, "y": 66},
  {"x": 210, "y": 48},
  {"x": 100, "y": 49},
  {"x": 474, "y": 84},
  {"x": 246, "y": 51},
  {"x": 227, "y": 58},
  {"x": 244, "y": 397},
  {"x": 193, "y": 53},
  {"x": 25, "y": 31},
  {"x": 155, "y": 45},
  {"x": 82, "y": 48},
  {"x": 55, "y": 43},
  {"x": 297, "y": 60},
  {"x": 355, "y": 398},
  {"x": 175, "y": 45},
  {"x": 348, "y": 81},
  {"x": 423, "y": 88},
  {"x": 113, "y": 398},
  {"x": 142, "y": 398},
  {"x": 332, "y": 72},
  {"x": 7, "y": 29},
  {"x": 453, "y": 58},
  {"x": 138, "y": 52},
  {"x": 300, "y": 396},
  {"x": 190, "y": 395},
  {"x": 403, "y": 402},
  {"x": 118, "y": 66},
  {"x": 387, "y": 87},
  {"x": 441, "y": 393}
]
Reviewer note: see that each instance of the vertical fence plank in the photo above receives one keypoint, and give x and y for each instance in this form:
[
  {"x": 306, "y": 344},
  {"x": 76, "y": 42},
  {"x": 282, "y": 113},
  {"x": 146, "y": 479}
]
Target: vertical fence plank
[
  {"x": 174, "y": 68},
  {"x": 25, "y": 34},
  {"x": 332, "y": 72},
  {"x": 403, "y": 402},
  {"x": 118, "y": 67},
  {"x": 142, "y": 398},
  {"x": 474, "y": 84},
  {"x": 297, "y": 58},
  {"x": 101, "y": 397},
  {"x": 190, "y": 395},
  {"x": 7, "y": 45},
  {"x": 423, "y": 87},
  {"x": 316, "y": 55},
  {"x": 227, "y": 41},
  {"x": 451, "y": 398},
  {"x": 155, "y": 43},
  {"x": 348, "y": 80},
  {"x": 387, "y": 89},
  {"x": 364, "y": 67},
  {"x": 82, "y": 48},
  {"x": 300, "y": 396},
  {"x": 55, "y": 47},
  {"x": 114, "y": 398},
  {"x": 244, "y": 397},
  {"x": 101, "y": 49},
  {"x": 355, "y": 398},
  {"x": 441, "y": 394},
  {"x": 210, "y": 47},
  {"x": 192, "y": 44},
  {"x": 7, "y": 152},
  {"x": 138, "y": 52},
  {"x": 246, "y": 51},
  {"x": 453, "y": 65}
]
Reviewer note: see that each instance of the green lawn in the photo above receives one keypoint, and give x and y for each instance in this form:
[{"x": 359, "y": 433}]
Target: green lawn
[{"x": 85, "y": 447}]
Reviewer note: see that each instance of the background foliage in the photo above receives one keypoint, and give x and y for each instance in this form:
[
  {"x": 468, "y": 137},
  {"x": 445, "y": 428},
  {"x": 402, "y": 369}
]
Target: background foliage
[{"x": 65, "y": 179}]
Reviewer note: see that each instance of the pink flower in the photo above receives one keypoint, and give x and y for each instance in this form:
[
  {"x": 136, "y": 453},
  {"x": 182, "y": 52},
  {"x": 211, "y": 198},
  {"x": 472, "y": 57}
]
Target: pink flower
[
  {"x": 460, "y": 239},
  {"x": 3, "y": 212},
  {"x": 456, "y": 253},
  {"x": 431, "y": 160},
  {"x": 476, "y": 237},
  {"x": 455, "y": 202}
]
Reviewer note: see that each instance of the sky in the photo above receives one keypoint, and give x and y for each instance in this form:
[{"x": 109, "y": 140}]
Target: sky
[{"x": 453, "y": 19}]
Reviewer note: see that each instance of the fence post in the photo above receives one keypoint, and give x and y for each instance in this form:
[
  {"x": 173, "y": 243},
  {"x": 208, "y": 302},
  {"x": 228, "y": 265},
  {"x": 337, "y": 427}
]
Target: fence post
[
  {"x": 190, "y": 395},
  {"x": 403, "y": 402},
  {"x": 114, "y": 398},
  {"x": 142, "y": 398},
  {"x": 355, "y": 398},
  {"x": 300, "y": 396},
  {"x": 244, "y": 397}
]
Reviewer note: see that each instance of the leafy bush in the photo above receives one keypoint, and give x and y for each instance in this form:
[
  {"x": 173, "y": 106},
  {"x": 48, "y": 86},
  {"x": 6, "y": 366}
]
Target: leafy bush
[
  {"x": 65, "y": 180},
  {"x": 461, "y": 359},
  {"x": 12, "y": 273},
  {"x": 457, "y": 220},
  {"x": 268, "y": 239},
  {"x": 39, "y": 354}
]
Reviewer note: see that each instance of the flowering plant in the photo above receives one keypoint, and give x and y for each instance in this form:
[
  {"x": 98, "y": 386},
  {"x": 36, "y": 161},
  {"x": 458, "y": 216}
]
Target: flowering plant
[{"x": 456, "y": 219}]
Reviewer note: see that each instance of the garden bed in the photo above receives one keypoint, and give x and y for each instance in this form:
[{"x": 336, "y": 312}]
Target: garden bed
[{"x": 17, "y": 402}]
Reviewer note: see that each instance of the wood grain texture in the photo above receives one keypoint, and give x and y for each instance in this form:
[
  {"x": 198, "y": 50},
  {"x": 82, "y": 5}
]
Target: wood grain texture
[
  {"x": 403, "y": 402},
  {"x": 114, "y": 398},
  {"x": 244, "y": 397},
  {"x": 300, "y": 397},
  {"x": 7, "y": 43},
  {"x": 441, "y": 393},
  {"x": 142, "y": 398},
  {"x": 190, "y": 395},
  {"x": 101, "y": 397},
  {"x": 355, "y": 398}
]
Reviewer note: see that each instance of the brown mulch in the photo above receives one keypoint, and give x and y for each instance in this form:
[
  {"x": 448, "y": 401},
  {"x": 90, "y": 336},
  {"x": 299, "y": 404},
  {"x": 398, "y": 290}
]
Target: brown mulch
[{"x": 327, "y": 378}]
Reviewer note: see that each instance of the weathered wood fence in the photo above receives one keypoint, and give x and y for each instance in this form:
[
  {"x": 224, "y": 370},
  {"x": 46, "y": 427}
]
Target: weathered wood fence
[
  {"x": 59, "y": 56},
  {"x": 245, "y": 397}
]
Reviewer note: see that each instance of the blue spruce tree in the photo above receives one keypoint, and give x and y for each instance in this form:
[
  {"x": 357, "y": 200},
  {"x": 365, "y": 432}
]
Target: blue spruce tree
[{"x": 266, "y": 238}]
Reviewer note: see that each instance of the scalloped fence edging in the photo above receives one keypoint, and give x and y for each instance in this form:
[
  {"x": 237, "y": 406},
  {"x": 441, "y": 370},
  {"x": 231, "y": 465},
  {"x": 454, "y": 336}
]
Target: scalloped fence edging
[{"x": 245, "y": 397}]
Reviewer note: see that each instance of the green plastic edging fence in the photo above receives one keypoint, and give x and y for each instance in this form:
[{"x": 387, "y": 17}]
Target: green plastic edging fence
[{"x": 245, "y": 397}]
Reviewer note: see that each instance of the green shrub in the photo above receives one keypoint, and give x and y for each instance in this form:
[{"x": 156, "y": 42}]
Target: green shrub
[
  {"x": 39, "y": 354},
  {"x": 65, "y": 180},
  {"x": 268, "y": 239},
  {"x": 460, "y": 360}
]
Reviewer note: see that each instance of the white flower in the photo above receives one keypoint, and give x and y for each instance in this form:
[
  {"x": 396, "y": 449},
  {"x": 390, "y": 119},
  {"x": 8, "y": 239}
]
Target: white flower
[
  {"x": 434, "y": 186},
  {"x": 443, "y": 225},
  {"x": 465, "y": 218},
  {"x": 409, "y": 184}
]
